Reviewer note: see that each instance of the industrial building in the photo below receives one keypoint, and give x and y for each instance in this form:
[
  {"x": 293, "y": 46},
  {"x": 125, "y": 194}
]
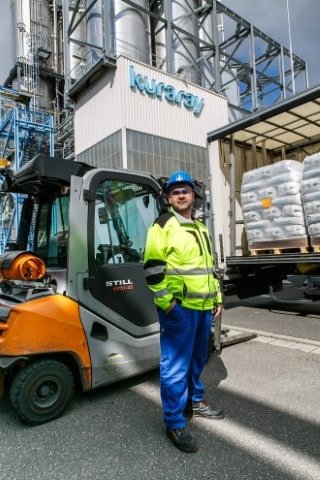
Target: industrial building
[{"x": 133, "y": 84}]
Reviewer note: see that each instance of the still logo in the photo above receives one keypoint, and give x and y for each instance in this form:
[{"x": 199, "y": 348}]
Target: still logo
[{"x": 119, "y": 285}]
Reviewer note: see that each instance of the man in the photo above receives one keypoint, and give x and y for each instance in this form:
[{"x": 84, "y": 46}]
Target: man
[{"x": 178, "y": 265}]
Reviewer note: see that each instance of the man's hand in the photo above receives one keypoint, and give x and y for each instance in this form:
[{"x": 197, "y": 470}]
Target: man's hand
[
  {"x": 217, "y": 310},
  {"x": 173, "y": 304}
]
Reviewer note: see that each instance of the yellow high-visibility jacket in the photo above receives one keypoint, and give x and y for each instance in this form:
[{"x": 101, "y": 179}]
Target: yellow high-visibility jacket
[{"x": 178, "y": 263}]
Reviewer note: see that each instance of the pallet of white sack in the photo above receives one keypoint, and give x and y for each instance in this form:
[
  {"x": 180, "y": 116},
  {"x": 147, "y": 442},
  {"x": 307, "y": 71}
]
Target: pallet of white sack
[
  {"x": 315, "y": 244},
  {"x": 279, "y": 251},
  {"x": 280, "y": 247}
]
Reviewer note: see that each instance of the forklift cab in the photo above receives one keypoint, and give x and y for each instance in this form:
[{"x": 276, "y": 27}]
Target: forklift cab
[{"x": 91, "y": 225}]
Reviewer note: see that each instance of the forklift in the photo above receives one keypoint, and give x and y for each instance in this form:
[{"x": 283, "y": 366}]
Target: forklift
[{"x": 75, "y": 309}]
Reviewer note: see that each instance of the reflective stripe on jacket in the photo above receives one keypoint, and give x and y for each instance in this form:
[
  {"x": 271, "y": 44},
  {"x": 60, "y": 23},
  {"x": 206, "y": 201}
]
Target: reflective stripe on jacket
[{"x": 178, "y": 263}]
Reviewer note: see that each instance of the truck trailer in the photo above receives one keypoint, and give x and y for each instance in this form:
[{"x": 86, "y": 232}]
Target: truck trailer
[{"x": 290, "y": 130}]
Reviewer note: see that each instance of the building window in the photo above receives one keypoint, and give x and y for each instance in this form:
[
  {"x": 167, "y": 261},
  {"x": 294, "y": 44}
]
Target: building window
[
  {"x": 107, "y": 153},
  {"x": 149, "y": 154},
  {"x": 160, "y": 156}
]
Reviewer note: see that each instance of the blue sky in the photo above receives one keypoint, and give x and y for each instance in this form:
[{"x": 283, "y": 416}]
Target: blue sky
[{"x": 270, "y": 16}]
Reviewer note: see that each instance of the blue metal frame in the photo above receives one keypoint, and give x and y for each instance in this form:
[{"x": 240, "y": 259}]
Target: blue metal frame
[{"x": 22, "y": 129}]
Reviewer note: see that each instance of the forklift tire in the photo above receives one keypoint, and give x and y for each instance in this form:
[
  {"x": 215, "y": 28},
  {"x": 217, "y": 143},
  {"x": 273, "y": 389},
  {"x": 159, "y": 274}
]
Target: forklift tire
[{"x": 41, "y": 391}]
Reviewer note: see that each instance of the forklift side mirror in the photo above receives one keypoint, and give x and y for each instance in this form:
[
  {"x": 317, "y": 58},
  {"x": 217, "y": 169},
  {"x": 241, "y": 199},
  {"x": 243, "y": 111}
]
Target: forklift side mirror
[{"x": 103, "y": 215}]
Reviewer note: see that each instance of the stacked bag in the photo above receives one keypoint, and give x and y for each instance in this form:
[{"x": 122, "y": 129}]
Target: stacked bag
[
  {"x": 310, "y": 192},
  {"x": 272, "y": 206}
]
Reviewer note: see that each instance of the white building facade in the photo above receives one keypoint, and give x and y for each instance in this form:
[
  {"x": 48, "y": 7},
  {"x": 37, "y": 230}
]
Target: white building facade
[{"x": 139, "y": 118}]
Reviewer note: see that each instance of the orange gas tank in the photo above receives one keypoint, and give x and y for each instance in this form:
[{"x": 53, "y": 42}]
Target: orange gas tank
[{"x": 19, "y": 265}]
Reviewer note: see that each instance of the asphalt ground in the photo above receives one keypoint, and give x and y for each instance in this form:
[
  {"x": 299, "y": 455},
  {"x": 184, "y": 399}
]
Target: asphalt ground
[
  {"x": 270, "y": 394},
  {"x": 289, "y": 315}
]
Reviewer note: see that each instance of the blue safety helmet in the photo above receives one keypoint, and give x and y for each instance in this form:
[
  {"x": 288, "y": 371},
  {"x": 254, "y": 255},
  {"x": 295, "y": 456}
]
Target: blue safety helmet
[{"x": 180, "y": 177}]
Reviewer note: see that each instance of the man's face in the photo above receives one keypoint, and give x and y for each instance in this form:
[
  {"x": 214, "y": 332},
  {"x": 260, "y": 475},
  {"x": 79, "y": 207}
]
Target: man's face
[{"x": 181, "y": 198}]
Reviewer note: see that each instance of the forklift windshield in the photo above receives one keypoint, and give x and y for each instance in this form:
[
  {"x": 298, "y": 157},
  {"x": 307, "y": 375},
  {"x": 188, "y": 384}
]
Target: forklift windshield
[{"x": 123, "y": 212}]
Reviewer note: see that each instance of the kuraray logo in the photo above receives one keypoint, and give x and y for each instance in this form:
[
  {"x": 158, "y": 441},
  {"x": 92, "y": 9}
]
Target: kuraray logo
[{"x": 161, "y": 90}]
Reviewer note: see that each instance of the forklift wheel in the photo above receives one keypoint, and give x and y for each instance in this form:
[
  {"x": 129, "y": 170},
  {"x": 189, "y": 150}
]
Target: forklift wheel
[{"x": 41, "y": 391}]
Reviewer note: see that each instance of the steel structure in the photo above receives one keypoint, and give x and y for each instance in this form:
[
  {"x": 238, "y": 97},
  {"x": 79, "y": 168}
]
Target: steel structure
[
  {"x": 28, "y": 108},
  {"x": 60, "y": 45},
  {"x": 199, "y": 40},
  {"x": 37, "y": 63},
  {"x": 24, "y": 132}
]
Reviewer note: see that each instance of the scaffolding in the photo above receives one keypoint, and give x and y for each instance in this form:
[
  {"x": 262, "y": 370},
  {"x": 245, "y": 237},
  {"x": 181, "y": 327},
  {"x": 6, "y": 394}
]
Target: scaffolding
[{"x": 24, "y": 132}]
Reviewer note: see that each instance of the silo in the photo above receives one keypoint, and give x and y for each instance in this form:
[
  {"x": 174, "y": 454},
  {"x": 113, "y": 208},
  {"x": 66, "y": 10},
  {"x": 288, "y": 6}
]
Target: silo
[
  {"x": 132, "y": 30},
  {"x": 31, "y": 23},
  {"x": 20, "y": 31},
  {"x": 127, "y": 28},
  {"x": 31, "y": 26},
  {"x": 77, "y": 50},
  {"x": 185, "y": 50},
  {"x": 41, "y": 32},
  {"x": 94, "y": 32}
]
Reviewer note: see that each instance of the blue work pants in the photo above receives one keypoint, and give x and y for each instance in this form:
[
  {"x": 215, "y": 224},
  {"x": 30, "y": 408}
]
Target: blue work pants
[{"x": 184, "y": 337}]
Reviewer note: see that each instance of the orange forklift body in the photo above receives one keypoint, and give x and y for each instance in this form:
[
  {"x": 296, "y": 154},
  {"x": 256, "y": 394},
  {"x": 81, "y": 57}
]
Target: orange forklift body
[{"x": 53, "y": 325}]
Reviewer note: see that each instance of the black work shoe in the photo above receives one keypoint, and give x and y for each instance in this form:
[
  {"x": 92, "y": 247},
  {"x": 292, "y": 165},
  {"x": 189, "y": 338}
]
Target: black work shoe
[
  {"x": 203, "y": 409},
  {"x": 183, "y": 439}
]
